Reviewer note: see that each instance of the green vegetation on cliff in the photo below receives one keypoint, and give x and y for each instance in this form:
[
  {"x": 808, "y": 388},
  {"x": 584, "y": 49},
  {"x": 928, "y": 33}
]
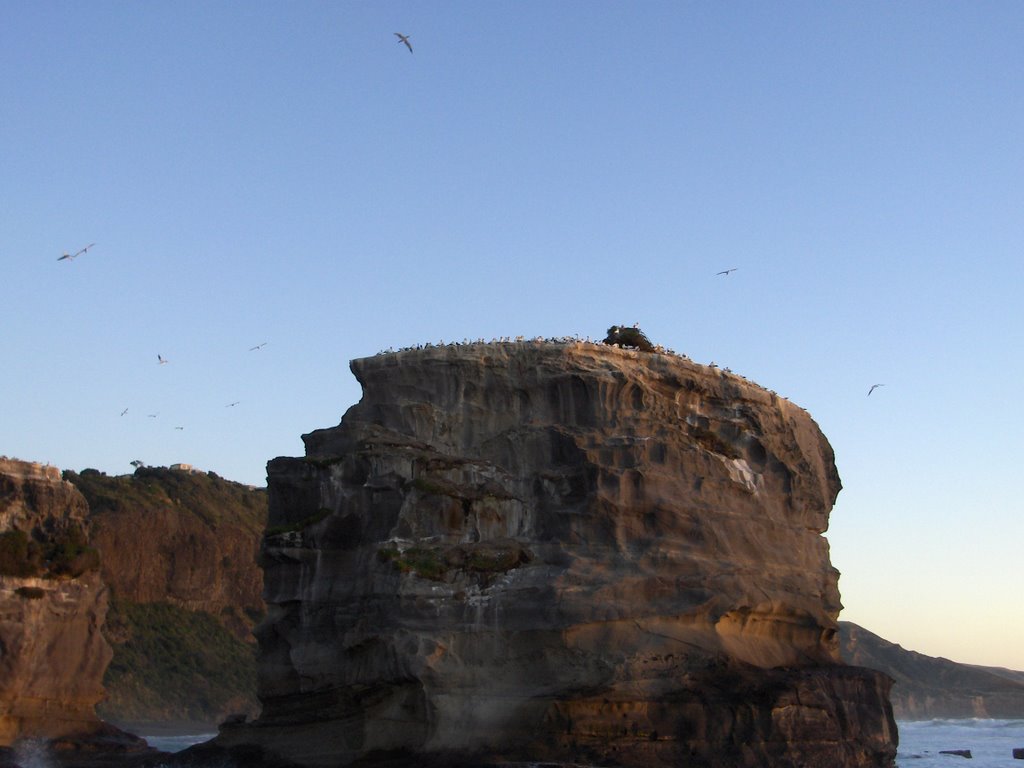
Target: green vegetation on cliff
[
  {"x": 436, "y": 564},
  {"x": 64, "y": 553},
  {"x": 172, "y": 664},
  {"x": 211, "y": 498}
]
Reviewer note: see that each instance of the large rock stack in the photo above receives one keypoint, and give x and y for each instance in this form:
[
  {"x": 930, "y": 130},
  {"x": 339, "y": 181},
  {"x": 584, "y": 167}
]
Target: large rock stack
[{"x": 558, "y": 552}]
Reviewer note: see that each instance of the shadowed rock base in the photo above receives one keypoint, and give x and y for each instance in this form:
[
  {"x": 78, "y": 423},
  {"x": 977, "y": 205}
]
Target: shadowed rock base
[
  {"x": 727, "y": 718},
  {"x": 102, "y": 746}
]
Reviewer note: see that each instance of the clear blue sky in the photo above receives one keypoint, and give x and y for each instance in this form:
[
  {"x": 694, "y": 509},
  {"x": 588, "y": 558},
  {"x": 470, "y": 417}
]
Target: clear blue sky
[{"x": 289, "y": 173}]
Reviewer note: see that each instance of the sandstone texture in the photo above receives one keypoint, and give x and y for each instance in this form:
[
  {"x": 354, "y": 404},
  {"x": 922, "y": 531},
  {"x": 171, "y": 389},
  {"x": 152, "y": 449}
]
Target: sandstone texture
[
  {"x": 52, "y": 607},
  {"x": 563, "y": 552}
]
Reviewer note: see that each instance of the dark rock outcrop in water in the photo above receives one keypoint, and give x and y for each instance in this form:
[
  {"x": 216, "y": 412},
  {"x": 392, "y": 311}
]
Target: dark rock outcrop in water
[{"x": 557, "y": 552}]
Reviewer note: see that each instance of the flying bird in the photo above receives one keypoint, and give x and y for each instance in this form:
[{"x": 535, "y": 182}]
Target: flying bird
[
  {"x": 726, "y": 271},
  {"x": 257, "y": 347},
  {"x": 232, "y": 405},
  {"x": 404, "y": 39},
  {"x": 874, "y": 387},
  {"x": 124, "y": 411},
  {"x": 152, "y": 415},
  {"x": 70, "y": 256},
  {"x": 161, "y": 360},
  {"x": 179, "y": 427}
]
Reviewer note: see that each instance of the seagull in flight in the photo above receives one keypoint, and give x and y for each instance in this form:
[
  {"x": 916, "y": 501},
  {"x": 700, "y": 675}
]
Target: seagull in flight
[
  {"x": 874, "y": 387},
  {"x": 161, "y": 360},
  {"x": 726, "y": 271},
  {"x": 232, "y": 405},
  {"x": 258, "y": 347},
  {"x": 179, "y": 427},
  {"x": 124, "y": 411},
  {"x": 404, "y": 39},
  {"x": 70, "y": 256}
]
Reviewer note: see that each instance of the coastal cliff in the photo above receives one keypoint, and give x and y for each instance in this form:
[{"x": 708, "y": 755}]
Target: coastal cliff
[
  {"x": 927, "y": 687},
  {"x": 185, "y": 595},
  {"x": 563, "y": 552},
  {"x": 202, "y": 537},
  {"x": 52, "y": 606}
]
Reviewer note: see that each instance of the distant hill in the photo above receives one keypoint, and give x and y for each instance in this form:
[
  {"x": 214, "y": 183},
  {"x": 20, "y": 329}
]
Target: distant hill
[
  {"x": 928, "y": 687},
  {"x": 1009, "y": 674},
  {"x": 178, "y": 552}
]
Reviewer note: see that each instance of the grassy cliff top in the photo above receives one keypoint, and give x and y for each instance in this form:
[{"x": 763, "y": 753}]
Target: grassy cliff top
[{"x": 211, "y": 498}]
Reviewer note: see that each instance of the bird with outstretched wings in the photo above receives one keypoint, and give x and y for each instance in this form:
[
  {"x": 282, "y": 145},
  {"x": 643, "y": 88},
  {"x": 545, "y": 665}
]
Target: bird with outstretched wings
[{"x": 70, "y": 256}]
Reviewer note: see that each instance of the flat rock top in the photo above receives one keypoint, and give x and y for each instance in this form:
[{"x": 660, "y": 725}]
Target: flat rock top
[
  {"x": 29, "y": 470},
  {"x": 460, "y": 397}
]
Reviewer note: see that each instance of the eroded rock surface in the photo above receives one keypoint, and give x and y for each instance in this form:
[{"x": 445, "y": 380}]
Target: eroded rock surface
[
  {"x": 52, "y": 605},
  {"x": 558, "y": 552}
]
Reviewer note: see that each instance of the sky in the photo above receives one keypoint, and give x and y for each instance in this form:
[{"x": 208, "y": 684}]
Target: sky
[{"x": 288, "y": 174}]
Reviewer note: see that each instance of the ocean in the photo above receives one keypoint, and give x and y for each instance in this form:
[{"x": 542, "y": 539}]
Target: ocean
[
  {"x": 991, "y": 743},
  {"x": 178, "y": 742}
]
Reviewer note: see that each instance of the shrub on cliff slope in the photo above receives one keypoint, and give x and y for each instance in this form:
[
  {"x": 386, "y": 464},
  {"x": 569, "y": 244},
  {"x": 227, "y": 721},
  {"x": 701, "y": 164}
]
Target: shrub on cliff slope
[
  {"x": 65, "y": 553},
  {"x": 69, "y": 554},
  {"x": 629, "y": 337},
  {"x": 171, "y": 664},
  {"x": 214, "y": 500},
  {"x": 18, "y": 556}
]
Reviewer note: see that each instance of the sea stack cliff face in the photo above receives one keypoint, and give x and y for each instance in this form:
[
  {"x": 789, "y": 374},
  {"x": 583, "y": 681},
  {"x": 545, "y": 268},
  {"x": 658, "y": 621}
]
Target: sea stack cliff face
[
  {"x": 52, "y": 606},
  {"x": 563, "y": 552}
]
